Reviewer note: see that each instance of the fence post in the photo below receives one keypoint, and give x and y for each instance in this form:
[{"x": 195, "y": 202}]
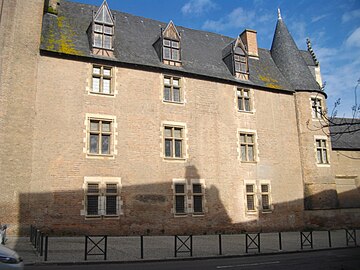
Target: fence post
[
  {"x": 86, "y": 247},
  {"x": 46, "y": 248},
  {"x": 142, "y": 246},
  {"x": 280, "y": 242},
  {"x": 220, "y": 245},
  {"x": 329, "y": 235}
]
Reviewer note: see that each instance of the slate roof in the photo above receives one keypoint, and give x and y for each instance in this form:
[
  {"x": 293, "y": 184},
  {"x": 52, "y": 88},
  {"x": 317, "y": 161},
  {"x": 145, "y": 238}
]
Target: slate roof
[
  {"x": 290, "y": 60},
  {"x": 67, "y": 33},
  {"x": 344, "y": 136}
]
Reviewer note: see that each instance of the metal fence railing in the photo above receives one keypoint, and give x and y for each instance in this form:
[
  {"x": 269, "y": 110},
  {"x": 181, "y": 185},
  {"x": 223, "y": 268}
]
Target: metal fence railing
[{"x": 129, "y": 248}]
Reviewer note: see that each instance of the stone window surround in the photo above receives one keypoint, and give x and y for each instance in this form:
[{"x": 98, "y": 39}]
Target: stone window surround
[
  {"x": 328, "y": 149},
  {"x": 86, "y": 139},
  {"x": 256, "y": 150},
  {"x": 184, "y": 140},
  {"x": 102, "y": 181},
  {"x": 258, "y": 197},
  {"x": 251, "y": 98},
  {"x": 189, "y": 196},
  {"x": 89, "y": 82},
  {"x": 322, "y": 107},
  {"x": 181, "y": 87}
]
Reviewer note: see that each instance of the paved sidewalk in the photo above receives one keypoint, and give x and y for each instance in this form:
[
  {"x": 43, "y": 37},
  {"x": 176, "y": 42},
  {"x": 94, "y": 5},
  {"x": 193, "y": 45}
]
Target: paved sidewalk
[{"x": 72, "y": 249}]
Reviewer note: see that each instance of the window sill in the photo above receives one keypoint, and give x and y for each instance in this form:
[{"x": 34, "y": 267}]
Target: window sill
[
  {"x": 198, "y": 214},
  {"x": 323, "y": 165},
  {"x": 248, "y": 162},
  {"x": 90, "y": 155},
  {"x": 180, "y": 215},
  {"x": 101, "y": 94},
  {"x": 267, "y": 211},
  {"x": 174, "y": 102},
  {"x": 102, "y": 48},
  {"x": 174, "y": 159},
  {"x": 247, "y": 112}
]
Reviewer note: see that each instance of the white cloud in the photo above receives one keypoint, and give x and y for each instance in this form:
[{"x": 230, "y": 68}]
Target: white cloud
[
  {"x": 354, "y": 39},
  {"x": 197, "y": 7},
  {"x": 318, "y": 18},
  {"x": 349, "y": 16},
  {"x": 238, "y": 18}
]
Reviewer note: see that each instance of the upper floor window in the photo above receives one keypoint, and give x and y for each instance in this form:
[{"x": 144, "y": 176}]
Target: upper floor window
[
  {"x": 174, "y": 141},
  {"x": 172, "y": 89},
  {"x": 317, "y": 109},
  {"x": 103, "y": 28},
  {"x": 101, "y": 79},
  {"x": 322, "y": 151},
  {"x": 100, "y": 137},
  {"x": 247, "y": 146},
  {"x": 240, "y": 60},
  {"x": 243, "y": 98}
]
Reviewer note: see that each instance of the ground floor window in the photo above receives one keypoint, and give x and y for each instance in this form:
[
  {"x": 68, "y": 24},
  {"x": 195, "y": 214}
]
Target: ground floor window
[{"x": 257, "y": 196}]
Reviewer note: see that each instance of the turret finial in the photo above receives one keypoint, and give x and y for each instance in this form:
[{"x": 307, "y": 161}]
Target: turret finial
[{"x": 279, "y": 14}]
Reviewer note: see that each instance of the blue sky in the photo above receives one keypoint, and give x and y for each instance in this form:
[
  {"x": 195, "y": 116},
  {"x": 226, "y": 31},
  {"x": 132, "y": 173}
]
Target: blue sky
[{"x": 333, "y": 27}]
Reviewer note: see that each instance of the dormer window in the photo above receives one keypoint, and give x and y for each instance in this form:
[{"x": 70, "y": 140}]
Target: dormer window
[
  {"x": 240, "y": 60},
  {"x": 235, "y": 56},
  {"x": 168, "y": 46},
  {"x": 171, "y": 50},
  {"x": 103, "y": 31}
]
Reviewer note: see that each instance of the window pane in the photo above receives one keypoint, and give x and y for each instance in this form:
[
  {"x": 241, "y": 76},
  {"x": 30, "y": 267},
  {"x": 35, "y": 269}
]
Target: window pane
[
  {"x": 167, "y": 81},
  {"x": 178, "y": 150},
  {"x": 111, "y": 205},
  {"x": 237, "y": 66},
  {"x": 98, "y": 27},
  {"x": 197, "y": 188},
  {"x": 250, "y": 153},
  {"x": 111, "y": 188},
  {"x": 243, "y": 67},
  {"x": 176, "y": 82},
  {"x": 96, "y": 84},
  {"x": 168, "y": 132},
  {"x": 96, "y": 70},
  {"x": 92, "y": 204},
  {"x": 175, "y": 44},
  {"x": 249, "y": 138},
  {"x": 166, "y": 42},
  {"x": 97, "y": 40},
  {"x": 247, "y": 105},
  {"x": 240, "y": 103},
  {"x": 105, "y": 144},
  {"x": 180, "y": 204},
  {"x": 107, "y": 72},
  {"x": 166, "y": 53},
  {"x": 175, "y": 54},
  {"x": 93, "y": 188},
  {"x": 108, "y": 30},
  {"x": 107, "y": 42},
  {"x": 177, "y": 95},
  {"x": 319, "y": 156},
  {"x": 94, "y": 125},
  {"x": 249, "y": 188},
  {"x": 242, "y": 137},
  {"x": 168, "y": 148},
  {"x": 246, "y": 93},
  {"x": 250, "y": 202},
  {"x": 167, "y": 94},
  {"x": 106, "y": 86},
  {"x": 324, "y": 156},
  {"x": 264, "y": 188},
  {"x": 179, "y": 188},
  {"x": 265, "y": 202},
  {"x": 105, "y": 126},
  {"x": 177, "y": 132},
  {"x": 198, "y": 208},
  {"x": 94, "y": 143},
  {"x": 318, "y": 143},
  {"x": 243, "y": 152}
]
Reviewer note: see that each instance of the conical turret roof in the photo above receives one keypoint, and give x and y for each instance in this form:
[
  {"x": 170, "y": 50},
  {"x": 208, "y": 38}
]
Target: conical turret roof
[{"x": 288, "y": 59}]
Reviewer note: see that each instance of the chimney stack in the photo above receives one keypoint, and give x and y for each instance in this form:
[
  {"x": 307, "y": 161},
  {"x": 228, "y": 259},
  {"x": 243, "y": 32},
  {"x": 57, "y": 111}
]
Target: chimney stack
[{"x": 249, "y": 38}]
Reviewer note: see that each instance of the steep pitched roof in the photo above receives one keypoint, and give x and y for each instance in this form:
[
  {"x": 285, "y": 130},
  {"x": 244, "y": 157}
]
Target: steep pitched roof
[
  {"x": 345, "y": 136},
  {"x": 201, "y": 51},
  {"x": 290, "y": 61}
]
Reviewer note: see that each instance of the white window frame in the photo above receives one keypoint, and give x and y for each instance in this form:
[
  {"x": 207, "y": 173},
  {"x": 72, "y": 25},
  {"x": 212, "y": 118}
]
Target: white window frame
[
  {"x": 172, "y": 86},
  {"x": 315, "y": 113},
  {"x": 102, "y": 77},
  {"x": 184, "y": 144},
  {"x": 242, "y": 97},
  {"x": 327, "y": 148},
  {"x": 255, "y": 144},
  {"x": 257, "y": 195}
]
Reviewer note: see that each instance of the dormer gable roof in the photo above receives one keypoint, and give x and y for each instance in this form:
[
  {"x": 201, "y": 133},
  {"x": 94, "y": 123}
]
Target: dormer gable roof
[
  {"x": 103, "y": 14},
  {"x": 171, "y": 32}
]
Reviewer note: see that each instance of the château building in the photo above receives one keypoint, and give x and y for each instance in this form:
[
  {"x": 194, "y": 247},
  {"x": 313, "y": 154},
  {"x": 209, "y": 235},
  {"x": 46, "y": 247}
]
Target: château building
[{"x": 113, "y": 123}]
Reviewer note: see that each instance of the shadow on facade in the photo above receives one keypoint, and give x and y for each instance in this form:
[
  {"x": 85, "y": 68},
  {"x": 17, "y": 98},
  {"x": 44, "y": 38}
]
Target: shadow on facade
[{"x": 149, "y": 210}]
